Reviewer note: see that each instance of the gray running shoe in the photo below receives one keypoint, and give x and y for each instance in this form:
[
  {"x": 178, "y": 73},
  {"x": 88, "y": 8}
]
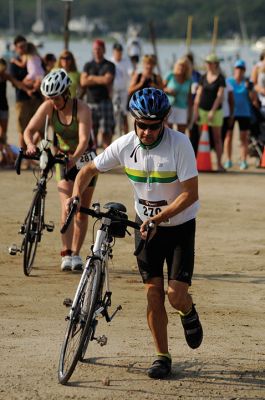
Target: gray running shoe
[
  {"x": 66, "y": 264},
  {"x": 77, "y": 263}
]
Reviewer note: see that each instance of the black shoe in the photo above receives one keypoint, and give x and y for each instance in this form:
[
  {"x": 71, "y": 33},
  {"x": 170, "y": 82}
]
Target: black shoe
[
  {"x": 160, "y": 368},
  {"x": 192, "y": 328}
]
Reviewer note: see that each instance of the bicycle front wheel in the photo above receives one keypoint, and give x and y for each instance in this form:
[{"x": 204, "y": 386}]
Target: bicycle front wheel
[
  {"x": 32, "y": 233},
  {"x": 82, "y": 322}
]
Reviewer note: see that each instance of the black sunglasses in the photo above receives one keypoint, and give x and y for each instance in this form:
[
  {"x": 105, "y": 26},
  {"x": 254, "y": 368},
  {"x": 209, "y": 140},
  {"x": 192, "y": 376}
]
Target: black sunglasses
[
  {"x": 66, "y": 58},
  {"x": 152, "y": 127}
]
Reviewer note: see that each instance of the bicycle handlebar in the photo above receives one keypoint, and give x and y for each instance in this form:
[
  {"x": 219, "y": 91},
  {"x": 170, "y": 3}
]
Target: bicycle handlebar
[
  {"x": 70, "y": 215},
  {"x": 57, "y": 159},
  {"x": 99, "y": 215}
]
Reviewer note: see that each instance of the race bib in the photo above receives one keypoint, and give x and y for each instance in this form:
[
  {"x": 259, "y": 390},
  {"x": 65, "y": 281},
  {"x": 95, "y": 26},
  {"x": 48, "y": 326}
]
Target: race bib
[
  {"x": 151, "y": 208},
  {"x": 88, "y": 156}
]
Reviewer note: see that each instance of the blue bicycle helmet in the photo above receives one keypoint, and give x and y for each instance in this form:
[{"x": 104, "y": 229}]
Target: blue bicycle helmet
[{"x": 149, "y": 103}]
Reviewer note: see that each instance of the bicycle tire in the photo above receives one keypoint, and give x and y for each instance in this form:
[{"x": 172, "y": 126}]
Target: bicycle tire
[
  {"x": 32, "y": 234},
  {"x": 79, "y": 330}
]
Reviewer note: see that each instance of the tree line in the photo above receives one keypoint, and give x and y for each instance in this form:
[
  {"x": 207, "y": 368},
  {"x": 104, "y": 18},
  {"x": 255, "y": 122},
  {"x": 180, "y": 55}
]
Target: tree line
[{"x": 169, "y": 17}]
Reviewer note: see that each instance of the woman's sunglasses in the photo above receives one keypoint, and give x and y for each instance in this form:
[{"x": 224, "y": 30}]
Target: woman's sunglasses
[
  {"x": 152, "y": 127},
  {"x": 66, "y": 58}
]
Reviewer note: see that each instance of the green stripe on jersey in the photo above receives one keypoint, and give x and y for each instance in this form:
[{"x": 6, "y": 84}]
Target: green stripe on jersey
[{"x": 154, "y": 176}]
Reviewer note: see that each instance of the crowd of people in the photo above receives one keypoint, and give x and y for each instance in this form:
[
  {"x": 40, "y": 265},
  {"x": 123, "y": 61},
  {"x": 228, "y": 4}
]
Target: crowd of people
[
  {"x": 158, "y": 155},
  {"x": 196, "y": 97}
]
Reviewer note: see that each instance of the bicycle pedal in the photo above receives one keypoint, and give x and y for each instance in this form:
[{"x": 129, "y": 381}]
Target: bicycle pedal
[
  {"x": 102, "y": 340},
  {"x": 13, "y": 250},
  {"x": 67, "y": 302}
]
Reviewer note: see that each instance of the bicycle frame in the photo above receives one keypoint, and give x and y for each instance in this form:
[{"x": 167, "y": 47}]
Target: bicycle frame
[
  {"x": 89, "y": 300},
  {"x": 100, "y": 251},
  {"x": 34, "y": 223}
]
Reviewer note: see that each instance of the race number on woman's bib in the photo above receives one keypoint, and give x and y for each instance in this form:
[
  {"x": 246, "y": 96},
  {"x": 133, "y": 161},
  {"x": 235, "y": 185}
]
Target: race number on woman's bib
[{"x": 88, "y": 156}]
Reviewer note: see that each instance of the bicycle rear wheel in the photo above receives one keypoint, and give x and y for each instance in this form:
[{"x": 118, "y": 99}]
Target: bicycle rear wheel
[
  {"x": 82, "y": 322},
  {"x": 32, "y": 233}
]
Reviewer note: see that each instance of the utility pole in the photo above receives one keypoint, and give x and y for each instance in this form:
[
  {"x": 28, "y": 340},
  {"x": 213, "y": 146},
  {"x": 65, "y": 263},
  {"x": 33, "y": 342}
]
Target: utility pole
[
  {"x": 67, "y": 15},
  {"x": 189, "y": 33},
  {"x": 215, "y": 33}
]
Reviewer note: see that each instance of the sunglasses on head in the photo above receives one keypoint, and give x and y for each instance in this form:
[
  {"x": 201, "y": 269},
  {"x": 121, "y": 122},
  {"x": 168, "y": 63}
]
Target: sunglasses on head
[{"x": 152, "y": 127}]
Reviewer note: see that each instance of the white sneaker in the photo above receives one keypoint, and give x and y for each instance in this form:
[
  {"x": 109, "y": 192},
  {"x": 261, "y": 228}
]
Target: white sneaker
[
  {"x": 77, "y": 263},
  {"x": 66, "y": 264}
]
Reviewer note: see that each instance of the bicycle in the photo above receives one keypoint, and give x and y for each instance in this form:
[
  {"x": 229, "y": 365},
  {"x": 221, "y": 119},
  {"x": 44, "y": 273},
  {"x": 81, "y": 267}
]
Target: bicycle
[
  {"x": 34, "y": 223},
  {"x": 91, "y": 300}
]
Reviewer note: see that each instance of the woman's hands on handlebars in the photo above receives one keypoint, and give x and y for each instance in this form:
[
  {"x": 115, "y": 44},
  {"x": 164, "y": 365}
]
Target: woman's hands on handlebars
[
  {"x": 31, "y": 149},
  {"x": 72, "y": 201}
]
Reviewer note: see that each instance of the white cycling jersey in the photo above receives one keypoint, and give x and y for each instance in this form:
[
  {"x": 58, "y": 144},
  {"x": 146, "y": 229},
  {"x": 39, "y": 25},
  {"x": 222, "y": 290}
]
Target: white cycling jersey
[{"x": 154, "y": 171}]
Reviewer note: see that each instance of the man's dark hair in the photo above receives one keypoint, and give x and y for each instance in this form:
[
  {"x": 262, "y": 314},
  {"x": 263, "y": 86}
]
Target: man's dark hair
[{"x": 18, "y": 39}]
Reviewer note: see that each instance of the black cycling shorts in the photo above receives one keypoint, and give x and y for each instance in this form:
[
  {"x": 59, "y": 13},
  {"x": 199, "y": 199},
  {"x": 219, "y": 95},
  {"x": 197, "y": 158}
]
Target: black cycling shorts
[{"x": 173, "y": 244}]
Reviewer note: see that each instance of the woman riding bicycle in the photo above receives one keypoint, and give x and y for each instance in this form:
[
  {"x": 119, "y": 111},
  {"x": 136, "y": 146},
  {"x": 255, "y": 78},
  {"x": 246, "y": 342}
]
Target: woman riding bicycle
[{"x": 70, "y": 119}]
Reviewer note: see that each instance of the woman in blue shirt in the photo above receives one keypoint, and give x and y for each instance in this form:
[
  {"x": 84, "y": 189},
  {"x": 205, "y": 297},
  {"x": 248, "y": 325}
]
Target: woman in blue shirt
[{"x": 242, "y": 114}]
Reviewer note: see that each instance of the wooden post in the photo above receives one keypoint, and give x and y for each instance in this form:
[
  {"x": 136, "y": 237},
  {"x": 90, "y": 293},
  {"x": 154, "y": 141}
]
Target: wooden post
[
  {"x": 215, "y": 33},
  {"x": 67, "y": 16},
  {"x": 189, "y": 33},
  {"x": 153, "y": 40}
]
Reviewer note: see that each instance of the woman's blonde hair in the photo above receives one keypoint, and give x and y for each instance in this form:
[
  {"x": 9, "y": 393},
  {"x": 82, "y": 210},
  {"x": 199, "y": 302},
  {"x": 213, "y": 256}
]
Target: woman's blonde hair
[
  {"x": 149, "y": 59},
  {"x": 188, "y": 67},
  {"x": 72, "y": 64}
]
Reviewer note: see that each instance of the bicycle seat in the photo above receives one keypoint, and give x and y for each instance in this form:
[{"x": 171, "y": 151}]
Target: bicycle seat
[{"x": 115, "y": 206}]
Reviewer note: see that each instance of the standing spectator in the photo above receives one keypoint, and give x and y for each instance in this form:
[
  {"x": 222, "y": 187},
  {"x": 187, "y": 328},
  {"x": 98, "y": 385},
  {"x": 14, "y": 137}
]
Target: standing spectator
[
  {"x": 134, "y": 50},
  {"x": 208, "y": 103},
  {"x": 67, "y": 61},
  {"x": 26, "y": 105},
  {"x": 242, "y": 114},
  {"x": 8, "y": 152},
  {"x": 193, "y": 127},
  {"x": 258, "y": 80},
  {"x": 177, "y": 85},
  {"x": 147, "y": 77},
  {"x": 33, "y": 62},
  {"x": 257, "y": 68},
  {"x": 121, "y": 82},
  {"x": 97, "y": 77},
  {"x": 228, "y": 111},
  {"x": 49, "y": 61}
]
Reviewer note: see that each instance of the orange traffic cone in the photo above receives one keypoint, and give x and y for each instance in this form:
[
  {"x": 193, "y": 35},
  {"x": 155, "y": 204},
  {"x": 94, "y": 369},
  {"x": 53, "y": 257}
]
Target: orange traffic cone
[
  {"x": 204, "y": 162},
  {"x": 262, "y": 161}
]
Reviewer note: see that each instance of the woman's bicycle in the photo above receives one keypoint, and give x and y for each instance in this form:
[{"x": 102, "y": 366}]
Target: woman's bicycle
[
  {"x": 93, "y": 296},
  {"x": 34, "y": 223}
]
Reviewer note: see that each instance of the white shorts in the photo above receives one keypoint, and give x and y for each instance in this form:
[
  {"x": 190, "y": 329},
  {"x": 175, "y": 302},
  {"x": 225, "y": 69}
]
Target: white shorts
[
  {"x": 178, "y": 116},
  {"x": 120, "y": 101}
]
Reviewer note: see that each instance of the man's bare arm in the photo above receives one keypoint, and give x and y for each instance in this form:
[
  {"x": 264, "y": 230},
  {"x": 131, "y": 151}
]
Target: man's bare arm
[{"x": 188, "y": 196}]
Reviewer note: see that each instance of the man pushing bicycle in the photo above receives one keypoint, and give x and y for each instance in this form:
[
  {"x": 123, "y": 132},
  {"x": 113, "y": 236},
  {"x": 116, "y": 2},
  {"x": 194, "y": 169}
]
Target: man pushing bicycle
[{"x": 161, "y": 166}]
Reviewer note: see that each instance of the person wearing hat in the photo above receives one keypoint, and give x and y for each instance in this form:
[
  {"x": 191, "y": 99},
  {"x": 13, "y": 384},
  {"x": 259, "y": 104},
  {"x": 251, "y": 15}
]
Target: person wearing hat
[
  {"x": 123, "y": 69},
  {"x": 242, "y": 113},
  {"x": 97, "y": 78},
  {"x": 208, "y": 103}
]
